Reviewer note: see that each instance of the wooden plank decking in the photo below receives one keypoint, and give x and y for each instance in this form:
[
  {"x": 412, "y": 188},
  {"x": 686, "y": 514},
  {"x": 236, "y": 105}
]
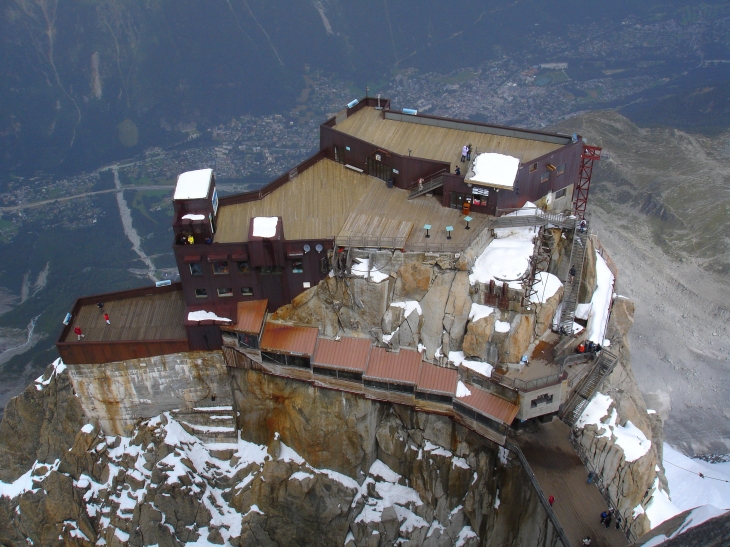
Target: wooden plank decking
[
  {"x": 437, "y": 143},
  {"x": 152, "y": 317},
  {"x": 314, "y": 205}
]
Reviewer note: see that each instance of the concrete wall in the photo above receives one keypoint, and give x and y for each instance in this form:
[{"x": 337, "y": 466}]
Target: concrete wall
[
  {"x": 526, "y": 411},
  {"x": 119, "y": 393}
]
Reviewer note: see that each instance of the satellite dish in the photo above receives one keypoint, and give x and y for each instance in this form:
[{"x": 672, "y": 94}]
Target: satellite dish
[
  {"x": 319, "y": 247},
  {"x": 307, "y": 248}
]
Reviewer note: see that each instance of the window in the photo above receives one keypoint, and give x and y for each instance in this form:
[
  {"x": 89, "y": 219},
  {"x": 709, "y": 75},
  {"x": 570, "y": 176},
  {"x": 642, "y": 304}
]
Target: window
[
  {"x": 201, "y": 293},
  {"x": 220, "y": 268},
  {"x": 268, "y": 270},
  {"x": 225, "y": 292},
  {"x": 560, "y": 193},
  {"x": 533, "y": 167},
  {"x": 545, "y": 176},
  {"x": 542, "y": 399},
  {"x": 297, "y": 266},
  {"x": 561, "y": 170},
  {"x": 196, "y": 268},
  {"x": 246, "y": 291},
  {"x": 242, "y": 267}
]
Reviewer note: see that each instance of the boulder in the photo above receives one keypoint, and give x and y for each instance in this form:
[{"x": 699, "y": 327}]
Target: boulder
[
  {"x": 412, "y": 282},
  {"x": 545, "y": 312},
  {"x": 478, "y": 335},
  {"x": 514, "y": 345},
  {"x": 433, "y": 305}
]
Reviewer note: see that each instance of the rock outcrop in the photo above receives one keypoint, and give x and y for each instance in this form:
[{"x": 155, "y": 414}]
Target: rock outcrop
[{"x": 630, "y": 482}]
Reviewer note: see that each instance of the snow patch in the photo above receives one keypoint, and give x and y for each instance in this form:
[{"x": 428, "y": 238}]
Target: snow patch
[
  {"x": 462, "y": 390},
  {"x": 495, "y": 169},
  {"x": 408, "y": 306},
  {"x": 546, "y": 285},
  {"x": 478, "y": 312},
  {"x": 361, "y": 266},
  {"x": 501, "y": 326},
  {"x": 203, "y": 315},
  {"x": 193, "y": 184},
  {"x": 265, "y": 226}
]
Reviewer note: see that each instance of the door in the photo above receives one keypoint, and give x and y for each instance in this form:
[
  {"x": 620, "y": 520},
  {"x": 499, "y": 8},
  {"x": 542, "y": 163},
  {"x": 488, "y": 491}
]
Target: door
[{"x": 379, "y": 170}]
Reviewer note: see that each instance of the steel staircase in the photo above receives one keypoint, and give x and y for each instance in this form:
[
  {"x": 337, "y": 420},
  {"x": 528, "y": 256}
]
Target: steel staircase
[
  {"x": 570, "y": 298},
  {"x": 587, "y": 388},
  {"x": 540, "y": 218},
  {"x": 426, "y": 187}
]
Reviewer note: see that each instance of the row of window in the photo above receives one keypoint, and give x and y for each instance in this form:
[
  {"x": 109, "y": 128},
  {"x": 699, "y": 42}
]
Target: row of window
[
  {"x": 242, "y": 268},
  {"x": 224, "y": 292}
]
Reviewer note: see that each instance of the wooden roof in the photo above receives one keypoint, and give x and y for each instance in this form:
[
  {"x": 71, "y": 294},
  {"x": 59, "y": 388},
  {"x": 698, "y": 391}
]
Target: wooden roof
[
  {"x": 314, "y": 205},
  {"x": 437, "y": 143},
  {"x": 345, "y": 354},
  {"x": 402, "y": 367},
  {"x": 150, "y": 317},
  {"x": 249, "y": 316},
  {"x": 439, "y": 380},
  {"x": 489, "y": 405},
  {"x": 289, "y": 339}
]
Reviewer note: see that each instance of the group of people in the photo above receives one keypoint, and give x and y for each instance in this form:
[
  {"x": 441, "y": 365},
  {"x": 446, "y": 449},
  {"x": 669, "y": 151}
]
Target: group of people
[
  {"x": 465, "y": 153},
  {"x": 588, "y": 347},
  {"x": 607, "y": 517},
  {"x": 80, "y": 333}
]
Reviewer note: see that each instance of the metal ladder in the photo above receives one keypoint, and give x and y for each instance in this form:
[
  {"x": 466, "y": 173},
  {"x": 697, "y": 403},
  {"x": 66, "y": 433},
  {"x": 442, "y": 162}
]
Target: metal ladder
[
  {"x": 585, "y": 391},
  {"x": 570, "y": 299}
]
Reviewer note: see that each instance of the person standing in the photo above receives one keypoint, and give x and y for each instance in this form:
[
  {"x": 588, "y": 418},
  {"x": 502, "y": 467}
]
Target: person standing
[
  {"x": 457, "y": 171},
  {"x": 618, "y": 521},
  {"x": 464, "y": 152},
  {"x": 591, "y": 476},
  {"x": 604, "y": 516},
  {"x": 587, "y": 540},
  {"x": 608, "y": 518},
  {"x": 79, "y": 333},
  {"x": 572, "y": 273},
  {"x": 551, "y": 500},
  {"x": 468, "y": 152},
  {"x": 106, "y": 318}
]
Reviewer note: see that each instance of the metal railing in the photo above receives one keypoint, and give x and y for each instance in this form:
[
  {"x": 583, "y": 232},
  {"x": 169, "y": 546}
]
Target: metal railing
[
  {"x": 540, "y": 494},
  {"x": 530, "y": 385},
  {"x": 602, "y": 488},
  {"x": 372, "y": 241}
]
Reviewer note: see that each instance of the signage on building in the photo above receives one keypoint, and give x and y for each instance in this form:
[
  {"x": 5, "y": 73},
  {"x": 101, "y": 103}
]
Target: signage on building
[
  {"x": 215, "y": 201},
  {"x": 480, "y": 191}
]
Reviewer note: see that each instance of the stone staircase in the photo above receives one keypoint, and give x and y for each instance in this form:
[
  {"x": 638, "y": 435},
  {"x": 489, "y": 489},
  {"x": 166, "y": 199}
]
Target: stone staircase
[
  {"x": 211, "y": 424},
  {"x": 587, "y": 388},
  {"x": 429, "y": 185},
  {"x": 570, "y": 298}
]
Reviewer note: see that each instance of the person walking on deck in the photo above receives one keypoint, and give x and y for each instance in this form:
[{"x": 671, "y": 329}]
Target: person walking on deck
[
  {"x": 587, "y": 540},
  {"x": 106, "y": 318},
  {"x": 464, "y": 152},
  {"x": 468, "y": 152},
  {"x": 551, "y": 500},
  {"x": 604, "y": 516},
  {"x": 79, "y": 333},
  {"x": 608, "y": 519}
]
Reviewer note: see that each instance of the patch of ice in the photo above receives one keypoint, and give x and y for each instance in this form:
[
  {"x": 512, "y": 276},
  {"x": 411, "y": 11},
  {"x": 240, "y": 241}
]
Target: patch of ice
[
  {"x": 203, "y": 315},
  {"x": 501, "y": 326},
  {"x": 546, "y": 285},
  {"x": 408, "y": 306},
  {"x": 361, "y": 266},
  {"x": 478, "y": 312},
  {"x": 462, "y": 390},
  {"x": 265, "y": 226}
]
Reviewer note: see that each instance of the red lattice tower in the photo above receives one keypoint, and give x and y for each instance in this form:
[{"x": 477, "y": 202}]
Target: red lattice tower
[{"x": 590, "y": 154}]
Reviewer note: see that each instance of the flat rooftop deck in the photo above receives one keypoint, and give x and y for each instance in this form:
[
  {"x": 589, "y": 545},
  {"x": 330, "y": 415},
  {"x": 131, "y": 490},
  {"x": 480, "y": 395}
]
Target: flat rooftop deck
[
  {"x": 329, "y": 200},
  {"x": 151, "y": 317},
  {"x": 436, "y": 143}
]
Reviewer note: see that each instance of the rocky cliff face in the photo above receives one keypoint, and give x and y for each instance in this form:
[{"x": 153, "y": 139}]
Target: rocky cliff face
[
  {"x": 399, "y": 478},
  {"x": 629, "y": 480}
]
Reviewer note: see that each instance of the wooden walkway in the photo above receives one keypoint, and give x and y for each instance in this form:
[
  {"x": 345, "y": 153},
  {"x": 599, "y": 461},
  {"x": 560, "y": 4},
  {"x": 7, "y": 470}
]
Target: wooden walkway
[
  {"x": 560, "y": 472},
  {"x": 438, "y": 143},
  {"x": 152, "y": 317}
]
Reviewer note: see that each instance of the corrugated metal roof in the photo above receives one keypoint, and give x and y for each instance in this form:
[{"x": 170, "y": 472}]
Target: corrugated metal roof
[
  {"x": 402, "y": 367},
  {"x": 289, "y": 339},
  {"x": 347, "y": 354},
  {"x": 489, "y": 405},
  {"x": 249, "y": 316},
  {"x": 438, "y": 380}
]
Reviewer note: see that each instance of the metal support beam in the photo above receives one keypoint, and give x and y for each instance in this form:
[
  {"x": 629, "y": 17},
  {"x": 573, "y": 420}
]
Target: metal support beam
[{"x": 590, "y": 155}]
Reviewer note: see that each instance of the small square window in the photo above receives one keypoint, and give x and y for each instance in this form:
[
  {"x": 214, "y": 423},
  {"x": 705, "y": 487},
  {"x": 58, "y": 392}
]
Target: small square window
[
  {"x": 297, "y": 266},
  {"x": 560, "y": 193},
  {"x": 196, "y": 268},
  {"x": 242, "y": 267},
  {"x": 220, "y": 268},
  {"x": 225, "y": 292},
  {"x": 201, "y": 293},
  {"x": 561, "y": 170},
  {"x": 246, "y": 291},
  {"x": 533, "y": 167},
  {"x": 545, "y": 176},
  {"x": 268, "y": 270}
]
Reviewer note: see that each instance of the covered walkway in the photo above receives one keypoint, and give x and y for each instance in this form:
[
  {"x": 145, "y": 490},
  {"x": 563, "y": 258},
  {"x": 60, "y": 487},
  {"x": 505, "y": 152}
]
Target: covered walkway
[{"x": 560, "y": 472}]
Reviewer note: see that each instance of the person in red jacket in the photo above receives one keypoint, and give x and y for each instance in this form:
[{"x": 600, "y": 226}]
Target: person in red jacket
[
  {"x": 106, "y": 318},
  {"x": 79, "y": 333},
  {"x": 551, "y": 500}
]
